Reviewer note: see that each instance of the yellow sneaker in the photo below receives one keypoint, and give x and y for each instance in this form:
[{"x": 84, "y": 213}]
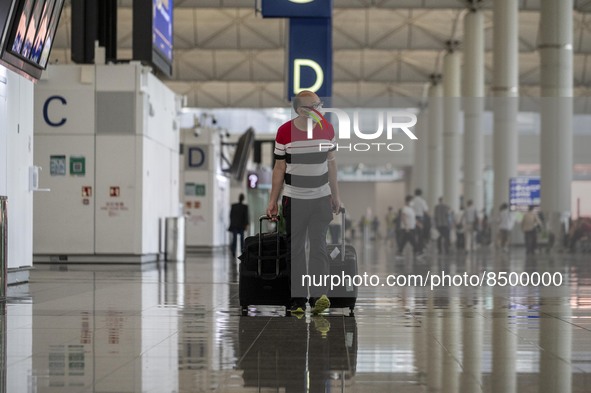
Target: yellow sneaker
[
  {"x": 322, "y": 303},
  {"x": 297, "y": 311}
]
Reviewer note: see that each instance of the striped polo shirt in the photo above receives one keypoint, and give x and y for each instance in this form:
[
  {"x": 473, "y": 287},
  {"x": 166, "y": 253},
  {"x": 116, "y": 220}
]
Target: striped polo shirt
[{"x": 306, "y": 173}]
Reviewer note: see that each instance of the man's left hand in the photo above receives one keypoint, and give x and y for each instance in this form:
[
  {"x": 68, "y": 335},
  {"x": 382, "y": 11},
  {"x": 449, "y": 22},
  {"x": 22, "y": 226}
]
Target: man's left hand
[{"x": 336, "y": 204}]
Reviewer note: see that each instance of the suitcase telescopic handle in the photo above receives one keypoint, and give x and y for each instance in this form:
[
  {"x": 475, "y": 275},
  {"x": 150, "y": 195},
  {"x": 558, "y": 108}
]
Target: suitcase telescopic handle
[
  {"x": 343, "y": 228},
  {"x": 260, "y": 259}
]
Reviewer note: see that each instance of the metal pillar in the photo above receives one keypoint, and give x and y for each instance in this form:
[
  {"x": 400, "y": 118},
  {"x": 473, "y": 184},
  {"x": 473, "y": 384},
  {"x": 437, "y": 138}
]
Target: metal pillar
[
  {"x": 556, "y": 140},
  {"x": 473, "y": 107},
  {"x": 435, "y": 144},
  {"x": 505, "y": 101},
  {"x": 451, "y": 127}
]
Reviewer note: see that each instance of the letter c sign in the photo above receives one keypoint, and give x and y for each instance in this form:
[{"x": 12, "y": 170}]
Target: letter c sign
[{"x": 58, "y": 123}]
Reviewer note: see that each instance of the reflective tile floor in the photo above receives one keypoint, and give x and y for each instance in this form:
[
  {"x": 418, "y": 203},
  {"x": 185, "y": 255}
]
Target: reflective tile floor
[{"x": 177, "y": 327}]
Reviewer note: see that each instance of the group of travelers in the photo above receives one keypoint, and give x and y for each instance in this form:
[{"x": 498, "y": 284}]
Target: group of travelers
[{"x": 416, "y": 225}]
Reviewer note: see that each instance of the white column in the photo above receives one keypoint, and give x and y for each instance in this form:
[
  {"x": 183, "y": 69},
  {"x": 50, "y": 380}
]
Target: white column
[
  {"x": 473, "y": 73},
  {"x": 451, "y": 129},
  {"x": 555, "y": 340},
  {"x": 421, "y": 154},
  {"x": 472, "y": 333},
  {"x": 451, "y": 342},
  {"x": 556, "y": 140},
  {"x": 435, "y": 143},
  {"x": 434, "y": 369},
  {"x": 420, "y": 348},
  {"x": 505, "y": 91},
  {"x": 504, "y": 345}
]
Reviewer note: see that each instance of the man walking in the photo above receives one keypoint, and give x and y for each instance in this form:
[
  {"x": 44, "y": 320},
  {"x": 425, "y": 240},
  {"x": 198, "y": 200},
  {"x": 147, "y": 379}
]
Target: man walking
[
  {"x": 530, "y": 225},
  {"x": 307, "y": 168},
  {"x": 420, "y": 208},
  {"x": 506, "y": 222},
  {"x": 470, "y": 224},
  {"x": 408, "y": 225},
  {"x": 238, "y": 223}
]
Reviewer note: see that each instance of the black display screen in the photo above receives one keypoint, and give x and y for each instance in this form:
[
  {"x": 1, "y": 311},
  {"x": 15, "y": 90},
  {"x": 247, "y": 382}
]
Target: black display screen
[{"x": 32, "y": 30}]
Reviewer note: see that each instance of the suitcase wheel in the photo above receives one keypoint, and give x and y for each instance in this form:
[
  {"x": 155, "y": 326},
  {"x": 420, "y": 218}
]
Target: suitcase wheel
[
  {"x": 351, "y": 311},
  {"x": 244, "y": 310}
]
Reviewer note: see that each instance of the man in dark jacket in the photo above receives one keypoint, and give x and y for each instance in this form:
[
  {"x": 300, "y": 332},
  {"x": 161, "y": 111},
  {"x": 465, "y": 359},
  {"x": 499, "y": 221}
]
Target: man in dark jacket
[
  {"x": 442, "y": 218},
  {"x": 238, "y": 223}
]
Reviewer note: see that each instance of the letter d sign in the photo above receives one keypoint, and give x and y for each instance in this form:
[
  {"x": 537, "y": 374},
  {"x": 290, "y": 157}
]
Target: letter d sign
[
  {"x": 297, "y": 76},
  {"x": 310, "y": 56}
]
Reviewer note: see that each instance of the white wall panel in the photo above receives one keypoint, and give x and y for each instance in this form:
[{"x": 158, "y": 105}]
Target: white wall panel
[
  {"x": 131, "y": 150},
  {"x": 64, "y": 224},
  {"x": 207, "y": 215},
  {"x": 159, "y": 191},
  {"x": 73, "y": 102},
  {"x": 3, "y": 130},
  {"x": 16, "y": 128},
  {"x": 117, "y": 217},
  {"x": 117, "y": 77}
]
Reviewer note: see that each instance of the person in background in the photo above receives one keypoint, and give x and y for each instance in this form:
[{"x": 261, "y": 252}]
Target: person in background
[
  {"x": 362, "y": 224},
  {"x": 579, "y": 229},
  {"x": 484, "y": 234},
  {"x": 470, "y": 224},
  {"x": 420, "y": 208},
  {"x": 398, "y": 230},
  {"x": 441, "y": 218},
  {"x": 459, "y": 227},
  {"x": 408, "y": 225},
  {"x": 390, "y": 226},
  {"x": 426, "y": 231},
  {"x": 375, "y": 227},
  {"x": 505, "y": 221},
  {"x": 238, "y": 223},
  {"x": 530, "y": 224},
  {"x": 350, "y": 227}
]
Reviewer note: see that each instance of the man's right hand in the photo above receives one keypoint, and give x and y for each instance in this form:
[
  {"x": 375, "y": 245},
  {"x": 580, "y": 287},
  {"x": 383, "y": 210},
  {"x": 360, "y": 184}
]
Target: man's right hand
[{"x": 272, "y": 210}]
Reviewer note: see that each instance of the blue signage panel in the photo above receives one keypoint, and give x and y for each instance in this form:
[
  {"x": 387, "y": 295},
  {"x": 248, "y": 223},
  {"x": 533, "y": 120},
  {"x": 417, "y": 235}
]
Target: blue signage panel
[
  {"x": 296, "y": 8},
  {"x": 524, "y": 191},
  {"x": 162, "y": 27},
  {"x": 310, "y": 56}
]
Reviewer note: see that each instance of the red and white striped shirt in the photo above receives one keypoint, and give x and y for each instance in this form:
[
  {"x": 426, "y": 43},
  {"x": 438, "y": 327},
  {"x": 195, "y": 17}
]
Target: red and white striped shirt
[{"x": 306, "y": 173}]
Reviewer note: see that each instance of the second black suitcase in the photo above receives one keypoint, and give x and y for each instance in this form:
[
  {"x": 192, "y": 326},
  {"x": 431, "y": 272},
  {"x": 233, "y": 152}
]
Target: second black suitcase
[
  {"x": 264, "y": 276},
  {"x": 343, "y": 263}
]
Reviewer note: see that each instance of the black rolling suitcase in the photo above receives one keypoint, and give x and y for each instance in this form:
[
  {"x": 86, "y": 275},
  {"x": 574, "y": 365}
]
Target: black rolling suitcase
[
  {"x": 264, "y": 276},
  {"x": 343, "y": 262}
]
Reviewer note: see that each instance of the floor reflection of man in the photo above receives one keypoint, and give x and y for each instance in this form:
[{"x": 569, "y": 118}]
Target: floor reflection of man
[{"x": 298, "y": 354}]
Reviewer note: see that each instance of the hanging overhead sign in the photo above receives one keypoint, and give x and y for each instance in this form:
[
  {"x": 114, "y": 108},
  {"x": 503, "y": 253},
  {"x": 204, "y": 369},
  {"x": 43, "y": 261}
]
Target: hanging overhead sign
[
  {"x": 524, "y": 191},
  {"x": 310, "y": 56},
  {"x": 296, "y": 8}
]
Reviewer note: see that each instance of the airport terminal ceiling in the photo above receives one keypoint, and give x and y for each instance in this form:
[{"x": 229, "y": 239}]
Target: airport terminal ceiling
[{"x": 227, "y": 55}]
